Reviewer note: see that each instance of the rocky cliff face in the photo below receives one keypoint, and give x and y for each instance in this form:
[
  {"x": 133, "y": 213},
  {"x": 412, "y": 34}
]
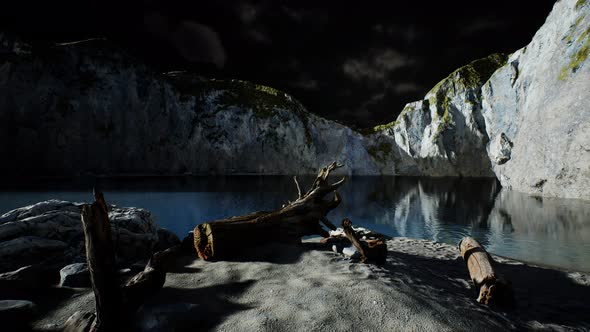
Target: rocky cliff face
[
  {"x": 536, "y": 109},
  {"x": 443, "y": 134},
  {"x": 88, "y": 108}
]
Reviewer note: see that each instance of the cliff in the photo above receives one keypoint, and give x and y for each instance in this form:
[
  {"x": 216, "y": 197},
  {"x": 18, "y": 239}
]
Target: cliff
[
  {"x": 443, "y": 134},
  {"x": 90, "y": 108},
  {"x": 524, "y": 118},
  {"x": 536, "y": 109}
]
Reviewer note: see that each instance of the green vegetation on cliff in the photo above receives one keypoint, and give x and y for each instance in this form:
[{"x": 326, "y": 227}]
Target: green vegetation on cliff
[
  {"x": 580, "y": 56},
  {"x": 264, "y": 101},
  {"x": 380, "y": 151},
  {"x": 379, "y": 128},
  {"x": 470, "y": 76}
]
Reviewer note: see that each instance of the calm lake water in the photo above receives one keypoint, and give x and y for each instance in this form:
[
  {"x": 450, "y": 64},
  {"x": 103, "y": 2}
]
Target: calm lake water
[{"x": 554, "y": 232}]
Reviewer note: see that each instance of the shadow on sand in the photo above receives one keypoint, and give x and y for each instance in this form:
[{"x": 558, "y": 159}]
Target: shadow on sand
[
  {"x": 213, "y": 304},
  {"x": 546, "y": 296}
]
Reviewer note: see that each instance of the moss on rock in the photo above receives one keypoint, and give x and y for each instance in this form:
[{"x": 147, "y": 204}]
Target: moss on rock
[
  {"x": 472, "y": 75},
  {"x": 380, "y": 151},
  {"x": 579, "y": 57},
  {"x": 379, "y": 128}
]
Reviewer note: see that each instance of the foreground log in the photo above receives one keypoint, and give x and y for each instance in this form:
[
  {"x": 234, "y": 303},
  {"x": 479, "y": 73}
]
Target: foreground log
[
  {"x": 226, "y": 238},
  {"x": 371, "y": 251},
  {"x": 101, "y": 263},
  {"x": 492, "y": 288},
  {"x": 114, "y": 304}
]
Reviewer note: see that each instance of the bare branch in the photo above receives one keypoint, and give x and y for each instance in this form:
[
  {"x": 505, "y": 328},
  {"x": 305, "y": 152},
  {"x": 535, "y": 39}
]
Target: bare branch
[
  {"x": 337, "y": 184},
  {"x": 298, "y": 187}
]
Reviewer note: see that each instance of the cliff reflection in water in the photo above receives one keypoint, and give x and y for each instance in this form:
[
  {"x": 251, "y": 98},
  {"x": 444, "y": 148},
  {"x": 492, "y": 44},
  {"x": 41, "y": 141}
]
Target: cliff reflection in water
[{"x": 541, "y": 230}]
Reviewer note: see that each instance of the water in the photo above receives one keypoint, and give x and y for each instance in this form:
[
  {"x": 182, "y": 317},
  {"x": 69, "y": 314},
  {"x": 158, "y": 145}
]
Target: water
[{"x": 554, "y": 232}]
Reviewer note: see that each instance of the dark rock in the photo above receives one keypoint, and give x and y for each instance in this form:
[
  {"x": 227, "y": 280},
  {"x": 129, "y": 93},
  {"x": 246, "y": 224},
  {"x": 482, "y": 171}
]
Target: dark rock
[
  {"x": 167, "y": 317},
  {"x": 27, "y": 277},
  {"x": 188, "y": 243},
  {"x": 75, "y": 275},
  {"x": 166, "y": 239},
  {"x": 16, "y": 314},
  {"x": 28, "y": 250},
  {"x": 53, "y": 229}
]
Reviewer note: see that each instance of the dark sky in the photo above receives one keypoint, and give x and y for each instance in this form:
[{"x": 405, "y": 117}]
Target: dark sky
[{"x": 355, "y": 61}]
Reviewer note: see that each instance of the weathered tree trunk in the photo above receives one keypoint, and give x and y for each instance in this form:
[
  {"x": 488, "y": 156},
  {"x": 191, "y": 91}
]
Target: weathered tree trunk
[
  {"x": 371, "y": 251},
  {"x": 115, "y": 305},
  {"x": 492, "y": 289},
  {"x": 101, "y": 263},
  {"x": 225, "y": 238}
]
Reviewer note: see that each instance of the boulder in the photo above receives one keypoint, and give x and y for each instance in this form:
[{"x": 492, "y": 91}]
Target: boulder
[
  {"x": 16, "y": 314},
  {"x": 536, "y": 109},
  {"x": 27, "y": 250},
  {"x": 53, "y": 230},
  {"x": 166, "y": 239},
  {"x": 28, "y": 277},
  {"x": 75, "y": 275}
]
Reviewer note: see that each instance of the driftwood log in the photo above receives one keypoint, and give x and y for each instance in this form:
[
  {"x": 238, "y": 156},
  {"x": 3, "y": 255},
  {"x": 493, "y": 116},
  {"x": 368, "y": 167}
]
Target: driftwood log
[
  {"x": 491, "y": 288},
  {"x": 115, "y": 305},
  {"x": 371, "y": 250},
  {"x": 101, "y": 264},
  {"x": 226, "y": 238}
]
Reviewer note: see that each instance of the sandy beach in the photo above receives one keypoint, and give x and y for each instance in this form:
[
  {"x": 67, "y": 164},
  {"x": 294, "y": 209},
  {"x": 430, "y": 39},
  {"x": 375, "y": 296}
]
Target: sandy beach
[{"x": 424, "y": 286}]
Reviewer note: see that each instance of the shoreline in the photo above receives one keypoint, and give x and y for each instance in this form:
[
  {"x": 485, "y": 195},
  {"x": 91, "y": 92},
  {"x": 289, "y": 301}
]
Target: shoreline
[{"x": 424, "y": 285}]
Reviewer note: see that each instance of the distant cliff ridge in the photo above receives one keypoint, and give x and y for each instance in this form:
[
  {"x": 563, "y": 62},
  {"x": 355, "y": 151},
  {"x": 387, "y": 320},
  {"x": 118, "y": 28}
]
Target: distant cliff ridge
[{"x": 89, "y": 108}]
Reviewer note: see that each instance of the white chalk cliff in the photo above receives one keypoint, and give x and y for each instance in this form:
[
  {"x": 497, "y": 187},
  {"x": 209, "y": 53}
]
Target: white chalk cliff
[{"x": 89, "y": 108}]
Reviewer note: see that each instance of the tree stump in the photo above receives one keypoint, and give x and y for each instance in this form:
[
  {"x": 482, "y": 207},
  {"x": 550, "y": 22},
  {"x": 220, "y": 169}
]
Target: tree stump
[
  {"x": 101, "y": 264},
  {"x": 492, "y": 289},
  {"x": 223, "y": 239},
  {"x": 114, "y": 304}
]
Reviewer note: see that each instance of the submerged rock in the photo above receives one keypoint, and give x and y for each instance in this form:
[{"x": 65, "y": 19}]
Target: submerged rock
[
  {"x": 536, "y": 109},
  {"x": 53, "y": 230}
]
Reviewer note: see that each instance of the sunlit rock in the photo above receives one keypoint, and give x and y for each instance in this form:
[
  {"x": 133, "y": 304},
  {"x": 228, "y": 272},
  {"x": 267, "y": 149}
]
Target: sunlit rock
[{"x": 539, "y": 103}]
